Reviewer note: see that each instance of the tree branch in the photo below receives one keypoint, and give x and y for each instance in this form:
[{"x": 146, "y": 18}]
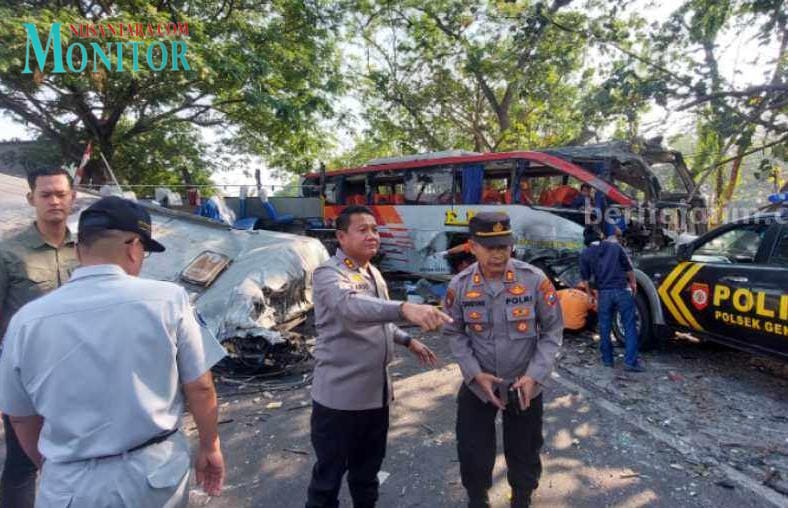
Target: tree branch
[{"x": 753, "y": 91}]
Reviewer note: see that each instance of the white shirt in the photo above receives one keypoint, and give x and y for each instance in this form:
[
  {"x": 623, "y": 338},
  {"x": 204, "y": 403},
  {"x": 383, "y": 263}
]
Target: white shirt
[{"x": 102, "y": 360}]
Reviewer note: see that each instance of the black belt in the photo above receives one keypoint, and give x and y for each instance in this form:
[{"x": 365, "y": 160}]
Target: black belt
[{"x": 152, "y": 441}]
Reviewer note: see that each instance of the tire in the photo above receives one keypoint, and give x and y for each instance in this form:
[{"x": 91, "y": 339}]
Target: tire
[{"x": 647, "y": 339}]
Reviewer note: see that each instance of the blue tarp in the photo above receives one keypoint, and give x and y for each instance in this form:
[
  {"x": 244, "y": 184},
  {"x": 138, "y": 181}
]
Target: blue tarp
[
  {"x": 472, "y": 181},
  {"x": 209, "y": 209},
  {"x": 277, "y": 218}
]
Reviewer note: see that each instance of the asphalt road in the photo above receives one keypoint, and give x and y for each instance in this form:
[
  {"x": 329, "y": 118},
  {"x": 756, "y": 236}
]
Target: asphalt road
[
  {"x": 704, "y": 427},
  {"x": 606, "y": 443}
]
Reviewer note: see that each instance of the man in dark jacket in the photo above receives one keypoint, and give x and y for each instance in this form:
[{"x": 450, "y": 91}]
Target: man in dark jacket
[{"x": 614, "y": 276}]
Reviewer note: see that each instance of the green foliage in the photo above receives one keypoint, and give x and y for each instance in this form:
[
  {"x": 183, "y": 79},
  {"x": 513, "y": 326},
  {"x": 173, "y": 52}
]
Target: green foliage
[
  {"x": 484, "y": 76},
  {"x": 163, "y": 157},
  {"x": 269, "y": 70}
]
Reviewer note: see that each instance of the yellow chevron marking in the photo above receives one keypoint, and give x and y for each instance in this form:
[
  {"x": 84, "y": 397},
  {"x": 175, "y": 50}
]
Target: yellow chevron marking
[
  {"x": 665, "y": 296},
  {"x": 676, "y": 294}
]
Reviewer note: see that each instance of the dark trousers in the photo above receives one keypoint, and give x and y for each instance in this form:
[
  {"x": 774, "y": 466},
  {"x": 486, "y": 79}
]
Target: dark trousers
[
  {"x": 347, "y": 441},
  {"x": 18, "y": 483},
  {"x": 522, "y": 441}
]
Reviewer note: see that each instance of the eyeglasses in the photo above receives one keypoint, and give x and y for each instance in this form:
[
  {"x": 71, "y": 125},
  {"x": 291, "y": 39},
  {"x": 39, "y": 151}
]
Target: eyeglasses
[{"x": 145, "y": 253}]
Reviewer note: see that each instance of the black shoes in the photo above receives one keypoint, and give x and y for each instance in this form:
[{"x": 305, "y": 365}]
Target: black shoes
[{"x": 521, "y": 499}]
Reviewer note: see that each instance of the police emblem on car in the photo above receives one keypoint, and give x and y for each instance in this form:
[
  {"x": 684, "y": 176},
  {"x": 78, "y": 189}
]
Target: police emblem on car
[{"x": 700, "y": 295}]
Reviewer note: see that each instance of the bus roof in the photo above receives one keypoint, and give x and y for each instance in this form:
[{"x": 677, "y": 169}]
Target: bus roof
[{"x": 542, "y": 158}]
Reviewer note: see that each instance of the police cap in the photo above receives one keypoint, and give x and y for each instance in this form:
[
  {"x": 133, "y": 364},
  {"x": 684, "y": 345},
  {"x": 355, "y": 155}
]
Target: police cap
[{"x": 491, "y": 229}]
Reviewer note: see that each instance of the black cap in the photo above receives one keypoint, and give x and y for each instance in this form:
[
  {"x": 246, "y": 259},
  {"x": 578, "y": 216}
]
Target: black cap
[
  {"x": 113, "y": 212},
  {"x": 491, "y": 229},
  {"x": 591, "y": 235}
]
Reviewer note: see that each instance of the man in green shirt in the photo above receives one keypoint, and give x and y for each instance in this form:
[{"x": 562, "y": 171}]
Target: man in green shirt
[{"x": 33, "y": 262}]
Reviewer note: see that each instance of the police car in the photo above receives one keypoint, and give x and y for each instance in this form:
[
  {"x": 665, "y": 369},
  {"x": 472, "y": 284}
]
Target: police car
[{"x": 729, "y": 285}]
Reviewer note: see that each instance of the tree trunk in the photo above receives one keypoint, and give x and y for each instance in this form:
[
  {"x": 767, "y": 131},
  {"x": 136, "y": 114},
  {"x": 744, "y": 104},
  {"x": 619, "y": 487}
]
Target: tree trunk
[{"x": 186, "y": 176}]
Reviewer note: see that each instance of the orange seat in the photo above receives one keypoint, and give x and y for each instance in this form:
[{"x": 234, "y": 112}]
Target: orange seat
[
  {"x": 381, "y": 199},
  {"x": 491, "y": 197},
  {"x": 356, "y": 199},
  {"x": 398, "y": 199},
  {"x": 564, "y": 195}
]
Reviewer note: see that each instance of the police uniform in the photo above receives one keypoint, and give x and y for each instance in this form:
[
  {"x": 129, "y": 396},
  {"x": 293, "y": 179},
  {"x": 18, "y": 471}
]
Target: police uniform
[
  {"x": 102, "y": 360},
  {"x": 29, "y": 268},
  {"x": 351, "y": 389},
  {"x": 509, "y": 328}
]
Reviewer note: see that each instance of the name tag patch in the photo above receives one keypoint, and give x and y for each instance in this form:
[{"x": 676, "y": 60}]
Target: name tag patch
[
  {"x": 518, "y": 300},
  {"x": 477, "y": 303}
]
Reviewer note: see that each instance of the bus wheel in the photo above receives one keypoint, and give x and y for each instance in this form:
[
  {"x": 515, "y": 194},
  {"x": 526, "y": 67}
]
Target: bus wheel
[{"x": 643, "y": 323}]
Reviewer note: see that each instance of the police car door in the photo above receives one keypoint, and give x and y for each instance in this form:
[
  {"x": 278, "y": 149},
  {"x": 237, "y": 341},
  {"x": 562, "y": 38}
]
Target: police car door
[
  {"x": 775, "y": 327},
  {"x": 729, "y": 289}
]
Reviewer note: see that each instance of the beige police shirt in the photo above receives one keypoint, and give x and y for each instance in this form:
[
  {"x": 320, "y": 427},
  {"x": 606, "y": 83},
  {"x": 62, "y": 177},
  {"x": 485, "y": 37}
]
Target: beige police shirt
[
  {"x": 508, "y": 328},
  {"x": 356, "y": 334},
  {"x": 30, "y": 268}
]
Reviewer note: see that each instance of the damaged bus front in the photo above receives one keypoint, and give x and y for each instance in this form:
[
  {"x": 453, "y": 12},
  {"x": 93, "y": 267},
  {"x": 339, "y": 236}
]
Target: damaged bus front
[{"x": 251, "y": 288}]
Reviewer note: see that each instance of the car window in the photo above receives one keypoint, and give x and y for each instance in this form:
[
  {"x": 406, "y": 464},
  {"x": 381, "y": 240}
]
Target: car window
[
  {"x": 738, "y": 245},
  {"x": 780, "y": 254}
]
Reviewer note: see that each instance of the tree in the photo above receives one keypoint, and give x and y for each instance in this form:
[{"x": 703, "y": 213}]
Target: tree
[
  {"x": 677, "y": 64},
  {"x": 483, "y": 76},
  {"x": 263, "y": 72}
]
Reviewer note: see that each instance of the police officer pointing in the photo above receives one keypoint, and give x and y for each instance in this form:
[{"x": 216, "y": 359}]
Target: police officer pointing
[
  {"x": 505, "y": 335},
  {"x": 352, "y": 390},
  {"x": 94, "y": 374}
]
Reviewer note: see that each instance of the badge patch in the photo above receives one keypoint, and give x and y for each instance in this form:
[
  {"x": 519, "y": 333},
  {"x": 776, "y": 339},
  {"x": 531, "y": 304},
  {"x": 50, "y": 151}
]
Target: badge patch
[
  {"x": 522, "y": 326},
  {"x": 509, "y": 276},
  {"x": 449, "y": 298},
  {"x": 517, "y": 290},
  {"x": 474, "y": 315},
  {"x": 550, "y": 297},
  {"x": 546, "y": 286},
  {"x": 699, "y": 295},
  {"x": 350, "y": 264},
  {"x": 477, "y": 327},
  {"x": 520, "y": 312},
  {"x": 477, "y": 279},
  {"x": 357, "y": 277},
  {"x": 472, "y": 294}
]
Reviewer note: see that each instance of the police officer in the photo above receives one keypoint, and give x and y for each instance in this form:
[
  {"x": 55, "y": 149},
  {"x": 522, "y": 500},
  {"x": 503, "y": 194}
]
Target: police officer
[
  {"x": 35, "y": 261},
  {"x": 614, "y": 277},
  {"x": 505, "y": 335},
  {"x": 351, "y": 390},
  {"x": 94, "y": 374}
]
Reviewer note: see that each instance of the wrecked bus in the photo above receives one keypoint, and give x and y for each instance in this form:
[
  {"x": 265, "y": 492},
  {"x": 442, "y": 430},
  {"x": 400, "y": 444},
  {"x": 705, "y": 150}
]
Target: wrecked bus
[
  {"x": 423, "y": 204},
  {"x": 252, "y": 288}
]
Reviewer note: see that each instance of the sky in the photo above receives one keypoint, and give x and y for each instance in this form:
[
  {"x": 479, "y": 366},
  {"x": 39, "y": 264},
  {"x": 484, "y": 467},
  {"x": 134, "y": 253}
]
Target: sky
[{"x": 740, "y": 62}]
